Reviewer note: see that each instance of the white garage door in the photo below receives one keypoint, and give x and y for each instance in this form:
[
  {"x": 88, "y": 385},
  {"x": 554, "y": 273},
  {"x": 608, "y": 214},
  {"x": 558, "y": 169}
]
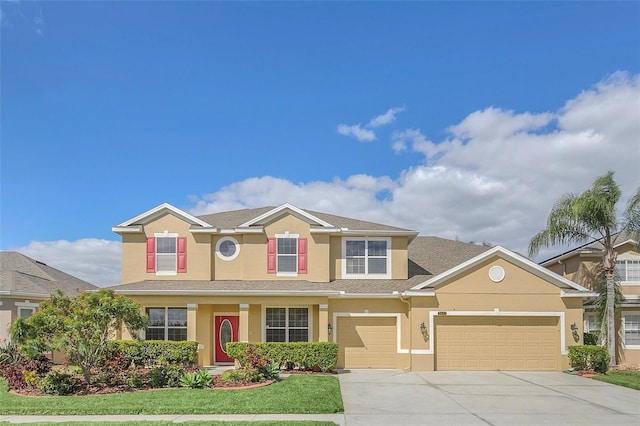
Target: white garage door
[
  {"x": 497, "y": 343},
  {"x": 366, "y": 342}
]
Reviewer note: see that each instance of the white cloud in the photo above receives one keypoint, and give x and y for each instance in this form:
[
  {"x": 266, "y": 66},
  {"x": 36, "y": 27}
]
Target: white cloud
[
  {"x": 365, "y": 134},
  {"x": 357, "y": 131},
  {"x": 386, "y": 118},
  {"x": 93, "y": 260},
  {"x": 494, "y": 179}
]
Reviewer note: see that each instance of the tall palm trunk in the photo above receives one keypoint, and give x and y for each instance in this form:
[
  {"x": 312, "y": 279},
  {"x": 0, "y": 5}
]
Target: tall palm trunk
[{"x": 609, "y": 263}]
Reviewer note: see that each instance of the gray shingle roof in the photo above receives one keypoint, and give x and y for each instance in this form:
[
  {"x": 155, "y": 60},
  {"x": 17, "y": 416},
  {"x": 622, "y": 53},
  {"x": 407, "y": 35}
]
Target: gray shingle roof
[
  {"x": 21, "y": 274},
  {"x": 232, "y": 219},
  {"x": 429, "y": 256}
]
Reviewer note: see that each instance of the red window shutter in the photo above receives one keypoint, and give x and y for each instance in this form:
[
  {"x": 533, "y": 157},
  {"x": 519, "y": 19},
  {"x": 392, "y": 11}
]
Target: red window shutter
[
  {"x": 302, "y": 255},
  {"x": 182, "y": 254},
  {"x": 271, "y": 255},
  {"x": 151, "y": 254}
]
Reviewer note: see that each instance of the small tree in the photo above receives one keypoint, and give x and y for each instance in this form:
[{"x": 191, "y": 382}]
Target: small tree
[{"x": 79, "y": 326}]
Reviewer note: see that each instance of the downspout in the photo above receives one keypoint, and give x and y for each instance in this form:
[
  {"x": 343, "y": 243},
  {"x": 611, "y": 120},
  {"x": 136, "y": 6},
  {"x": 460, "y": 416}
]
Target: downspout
[{"x": 408, "y": 302}]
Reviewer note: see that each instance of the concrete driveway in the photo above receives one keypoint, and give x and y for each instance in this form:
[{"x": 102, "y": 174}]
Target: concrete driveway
[{"x": 393, "y": 397}]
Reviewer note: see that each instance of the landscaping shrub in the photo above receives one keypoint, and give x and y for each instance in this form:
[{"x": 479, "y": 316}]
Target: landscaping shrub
[
  {"x": 303, "y": 355},
  {"x": 167, "y": 375},
  {"x": 59, "y": 383},
  {"x": 197, "y": 380},
  {"x": 589, "y": 357},
  {"x": 153, "y": 352},
  {"x": 590, "y": 339},
  {"x": 15, "y": 365}
]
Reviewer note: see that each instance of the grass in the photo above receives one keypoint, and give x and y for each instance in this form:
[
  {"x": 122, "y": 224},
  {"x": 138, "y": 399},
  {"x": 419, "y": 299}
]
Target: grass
[
  {"x": 297, "y": 394},
  {"x": 629, "y": 379}
]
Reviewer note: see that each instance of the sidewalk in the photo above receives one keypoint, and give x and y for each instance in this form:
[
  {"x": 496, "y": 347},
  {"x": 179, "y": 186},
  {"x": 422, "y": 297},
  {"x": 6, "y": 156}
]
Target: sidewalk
[{"x": 338, "y": 419}]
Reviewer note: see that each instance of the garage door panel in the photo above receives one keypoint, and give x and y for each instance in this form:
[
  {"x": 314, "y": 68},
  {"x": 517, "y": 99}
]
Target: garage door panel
[
  {"x": 366, "y": 342},
  {"x": 497, "y": 343}
]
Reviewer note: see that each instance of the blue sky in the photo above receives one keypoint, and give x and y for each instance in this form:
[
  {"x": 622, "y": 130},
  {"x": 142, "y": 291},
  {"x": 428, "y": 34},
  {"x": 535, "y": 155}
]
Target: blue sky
[{"x": 463, "y": 120}]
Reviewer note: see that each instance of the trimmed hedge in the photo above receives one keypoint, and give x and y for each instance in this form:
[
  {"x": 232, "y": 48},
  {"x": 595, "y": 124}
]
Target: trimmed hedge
[
  {"x": 590, "y": 338},
  {"x": 154, "y": 352},
  {"x": 304, "y": 355},
  {"x": 589, "y": 357}
]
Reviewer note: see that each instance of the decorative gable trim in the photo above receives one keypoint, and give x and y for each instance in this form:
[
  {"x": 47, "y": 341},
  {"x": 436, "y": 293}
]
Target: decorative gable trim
[
  {"x": 135, "y": 224},
  {"x": 520, "y": 261},
  {"x": 286, "y": 208}
]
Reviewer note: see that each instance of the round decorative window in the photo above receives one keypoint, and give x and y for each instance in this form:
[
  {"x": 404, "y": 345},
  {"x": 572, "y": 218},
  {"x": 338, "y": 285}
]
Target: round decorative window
[
  {"x": 496, "y": 274},
  {"x": 227, "y": 248}
]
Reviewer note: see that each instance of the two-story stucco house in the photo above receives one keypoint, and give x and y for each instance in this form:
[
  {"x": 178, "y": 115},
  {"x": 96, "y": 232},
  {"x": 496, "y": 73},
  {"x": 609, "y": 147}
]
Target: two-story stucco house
[
  {"x": 388, "y": 297},
  {"x": 582, "y": 265}
]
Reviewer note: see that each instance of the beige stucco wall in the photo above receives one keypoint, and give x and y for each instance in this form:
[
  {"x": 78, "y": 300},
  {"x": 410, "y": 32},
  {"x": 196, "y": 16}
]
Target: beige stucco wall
[{"x": 199, "y": 252}]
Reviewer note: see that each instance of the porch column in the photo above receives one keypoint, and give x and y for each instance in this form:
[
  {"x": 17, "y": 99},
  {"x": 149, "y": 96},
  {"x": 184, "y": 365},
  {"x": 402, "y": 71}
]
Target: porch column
[
  {"x": 192, "y": 310},
  {"x": 243, "y": 334},
  {"x": 323, "y": 323}
]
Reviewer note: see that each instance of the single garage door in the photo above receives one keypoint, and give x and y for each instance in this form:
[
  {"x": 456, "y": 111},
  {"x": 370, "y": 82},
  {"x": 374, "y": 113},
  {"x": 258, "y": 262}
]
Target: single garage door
[
  {"x": 497, "y": 343},
  {"x": 366, "y": 342}
]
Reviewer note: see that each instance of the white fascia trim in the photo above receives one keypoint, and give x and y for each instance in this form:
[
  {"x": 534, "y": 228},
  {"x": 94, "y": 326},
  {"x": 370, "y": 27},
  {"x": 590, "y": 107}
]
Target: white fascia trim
[
  {"x": 505, "y": 254},
  {"x": 27, "y": 304},
  {"x": 580, "y": 295},
  {"x": 324, "y": 230},
  {"x": 225, "y": 292},
  {"x": 156, "y": 211},
  {"x": 496, "y": 312},
  {"x": 629, "y": 241},
  {"x": 419, "y": 293},
  {"x": 630, "y": 297},
  {"x": 127, "y": 230},
  {"x": 23, "y": 294},
  {"x": 378, "y": 233},
  {"x": 345, "y": 295},
  {"x": 286, "y": 206},
  {"x": 397, "y": 316},
  {"x": 227, "y": 231}
]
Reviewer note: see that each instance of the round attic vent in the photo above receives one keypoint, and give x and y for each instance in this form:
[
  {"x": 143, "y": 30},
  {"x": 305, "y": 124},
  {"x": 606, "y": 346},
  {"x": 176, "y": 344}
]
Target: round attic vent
[{"x": 496, "y": 273}]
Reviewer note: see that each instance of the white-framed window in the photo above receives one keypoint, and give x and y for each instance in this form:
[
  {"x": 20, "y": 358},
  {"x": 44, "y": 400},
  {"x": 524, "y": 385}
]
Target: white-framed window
[
  {"x": 287, "y": 254},
  {"x": 26, "y": 309},
  {"x": 227, "y": 248},
  {"x": 631, "y": 327},
  {"x": 167, "y": 324},
  {"x": 166, "y": 254},
  {"x": 591, "y": 323},
  {"x": 628, "y": 270},
  {"x": 366, "y": 258},
  {"x": 25, "y": 313},
  {"x": 287, "y": 324}
]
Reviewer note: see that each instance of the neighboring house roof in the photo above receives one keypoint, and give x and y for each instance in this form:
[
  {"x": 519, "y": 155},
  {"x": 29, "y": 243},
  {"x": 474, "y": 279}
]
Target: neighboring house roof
[
  {"x": 594, "y": 248},
  {"x": 22, "y": 276},
  {"x": 569, "y": 288},
  {"x": 428, "y": 256}
]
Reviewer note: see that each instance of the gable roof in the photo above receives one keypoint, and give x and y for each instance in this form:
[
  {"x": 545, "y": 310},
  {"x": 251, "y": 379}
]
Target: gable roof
[
  {"x": 21, "y": 275},
  {"x": 569, "y": 288},
  {"x": 594, "y": 248},
  {"x": 134, "y": 224}
]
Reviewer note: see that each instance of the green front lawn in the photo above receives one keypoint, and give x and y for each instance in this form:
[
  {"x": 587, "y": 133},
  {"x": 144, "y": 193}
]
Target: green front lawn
[
  {"x": 306, "y": 394},
  {"x": 629, "y": 379}
]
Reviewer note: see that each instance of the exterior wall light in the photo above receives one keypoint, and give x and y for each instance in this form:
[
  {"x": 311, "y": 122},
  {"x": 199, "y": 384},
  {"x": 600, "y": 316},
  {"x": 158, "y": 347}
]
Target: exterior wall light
[
  {"x": 423, "y": 331},
  {"x": 329, "y": 328}
]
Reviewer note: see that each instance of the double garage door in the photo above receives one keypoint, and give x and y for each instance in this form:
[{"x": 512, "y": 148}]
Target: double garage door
[
  {"x": 497, "y": 343},
  {"x": 461, "y": 343}
]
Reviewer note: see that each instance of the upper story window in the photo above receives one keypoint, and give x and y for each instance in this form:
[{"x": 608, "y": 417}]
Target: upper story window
[
  {"x": 227, "y": 248},
  {"x": 366, "y": 258},
  {"x": 628, "y": 270},
  {"x": 287, "y": 255},
  {"x": 166, "y": 254}
]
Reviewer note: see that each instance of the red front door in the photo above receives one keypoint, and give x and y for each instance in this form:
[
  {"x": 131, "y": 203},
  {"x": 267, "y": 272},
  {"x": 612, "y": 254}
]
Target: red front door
[{"x": 226, "y": 330}]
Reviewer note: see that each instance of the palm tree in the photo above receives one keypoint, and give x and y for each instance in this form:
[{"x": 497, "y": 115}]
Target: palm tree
[{"x": 591, "y": 216}]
